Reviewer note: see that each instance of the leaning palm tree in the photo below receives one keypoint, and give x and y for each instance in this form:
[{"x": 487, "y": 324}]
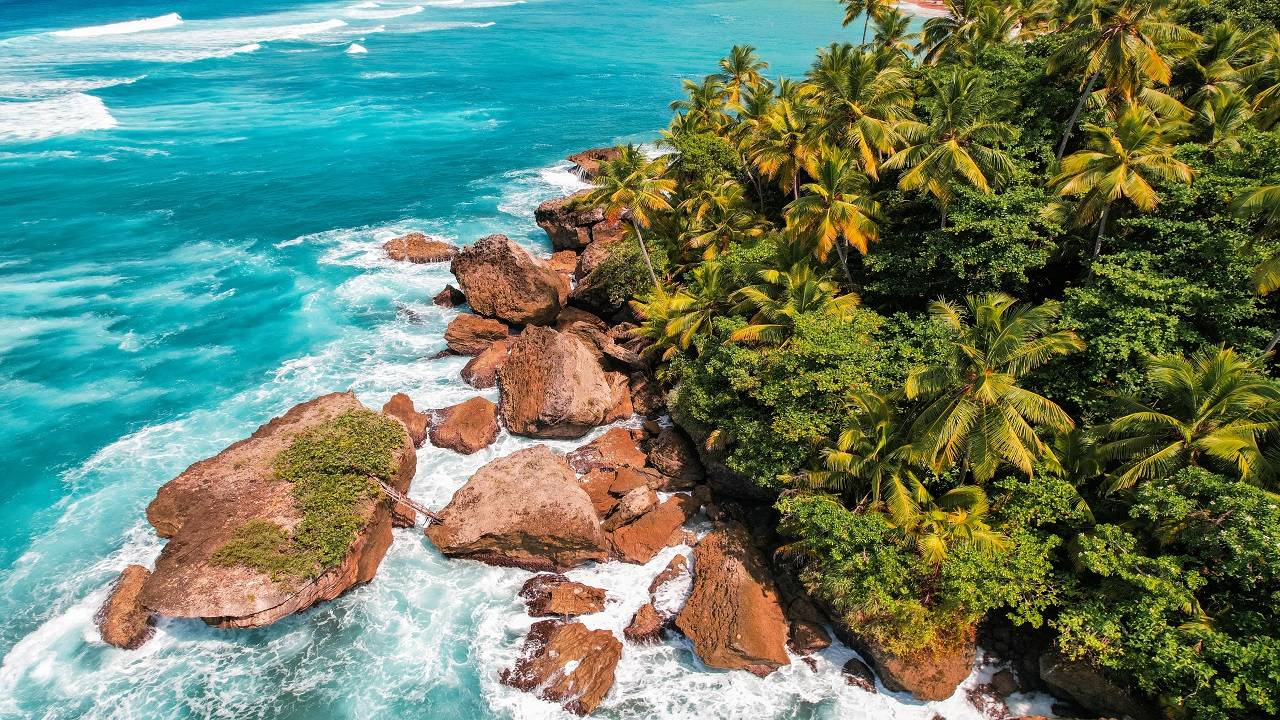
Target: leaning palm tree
[
  {"x": 960, "y": 144},
  {"x": 863, "y": 103},
  {"x": 872, "y": 460},
  {"x": 788, "y": 145},
  {"x": 741, "y": 69},
  {"x": 782, "y": 297},
  {"x": 1125, "y": 44},
  {"x": 634, "y": 187},
  {"x": 974, "y": 411},
  {"x": 868, "y": 9},
  {"x": 836, "y": 209},
  {"x": 1209, "y": 410},
  {"x": 1120, "y": 162}
]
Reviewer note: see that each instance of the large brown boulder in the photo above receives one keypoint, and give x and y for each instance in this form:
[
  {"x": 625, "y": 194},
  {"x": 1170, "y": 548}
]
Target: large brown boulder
[
  {"x": 470, "y": 334},
  {"x": 566, "y": 663},
  {"x": 597, "y": 252},
  {"x": 612, "y": 450},
  {"x": 416, "y": 247},
  {"x": 502, "y": 280},
  {"x": 1090, "y": 689},
  {"x": 644, "y": 537},
  {"x": 646, "y": 626},
  {"x": 673, "y": 455},
  {"x": 553, "y": 387},
  {"x": 587, "y": 163},
  {"x": 400, "y": 407},
  {"x": 481, "y": 371},
  {"x": 203, "y": 509},
  {"x": 929, "y": 675},
  {"x": 122, "y": 620},
  {"x": 563, "y": 262},
  {"x": 549, "y": 594},
  {"x": 524, "y": 510},
  {"x": 467, "y": 427},
  {"x": 733, "y": 616},
  {"x": 567, "y": 221}
]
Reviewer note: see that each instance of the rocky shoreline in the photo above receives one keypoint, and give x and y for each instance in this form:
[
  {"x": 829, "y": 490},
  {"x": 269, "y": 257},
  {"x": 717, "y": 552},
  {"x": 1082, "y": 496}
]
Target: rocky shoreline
[{"x": 562, "y": 368}]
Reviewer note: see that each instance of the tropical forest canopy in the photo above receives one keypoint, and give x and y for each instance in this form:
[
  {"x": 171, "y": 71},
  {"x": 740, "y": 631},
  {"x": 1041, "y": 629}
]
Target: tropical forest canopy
[{"x": 987, "y": 309}]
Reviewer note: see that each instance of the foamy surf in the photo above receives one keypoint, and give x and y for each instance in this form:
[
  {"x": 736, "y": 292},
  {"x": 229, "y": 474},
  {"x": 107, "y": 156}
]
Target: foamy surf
[
  {"x": 122, "y": 28},
  {"x": 356, "y": 49},
  {"x": 377, "y": 14},
  {"x": 62, "y": 115}
]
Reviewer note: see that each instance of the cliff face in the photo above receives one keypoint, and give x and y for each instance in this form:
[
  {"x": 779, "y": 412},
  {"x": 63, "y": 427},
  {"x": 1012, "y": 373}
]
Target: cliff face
[{"x": 202, "y": 509}]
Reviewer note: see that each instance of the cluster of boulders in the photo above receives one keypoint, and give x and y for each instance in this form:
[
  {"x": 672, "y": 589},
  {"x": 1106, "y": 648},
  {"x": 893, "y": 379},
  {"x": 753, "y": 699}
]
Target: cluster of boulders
[{"x": 201, "y": 509}]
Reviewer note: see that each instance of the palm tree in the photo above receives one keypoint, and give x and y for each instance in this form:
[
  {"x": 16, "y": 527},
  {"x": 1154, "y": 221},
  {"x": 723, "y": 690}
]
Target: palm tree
[
  {"x": 872, "y": 458},
  {"x": 1210, "y": 410},
  {"x": 1263, "y": 78},
  {"x": 741, "y": 68},
  {"x": 633, "y": 186},
  {"x": 753, "y": 108},
  {"x": 957, "y": 518},
  {"x": 863, "y": 103},
  {"x": 787, "y": 146},
  {"x": 974, "y": 410},
  {"x": 960, "y": 144},
  {"x": 893, "y": 34},
  {"x": 1120, "y": 162},
  {"x": 1223, "y": 117},
  {"x": 1124, "y": 43},
  {"x": 835, "y": 210},
  {"x": 782, "y": 297},
  {"x": 947, "y": 36},
  {"x": 718, "y": 217},
  {"x": 704, "y": 102},
  {"x": 869, "y": 9},
  {"x": 692, "y": 309},
  {"x": 1264, "y": 203},
  {"x": 1034, "y": 17},
  {"x": 1215, "y": 66}
]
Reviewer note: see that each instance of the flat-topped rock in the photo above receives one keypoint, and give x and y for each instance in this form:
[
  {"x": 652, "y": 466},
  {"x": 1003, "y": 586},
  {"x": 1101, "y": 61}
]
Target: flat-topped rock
[
  {"x": 551, "y": 386},
  {"x": 587, "y": 163},
  {"x": 467, "y": 427},
  {"x": 524, "y": 510},
  {"x": 568, "y": 221},
  {"x": 123, "y": 621},
  {"x": 216, "y": 501},
  {"x": 416, "y": 247},
  {"x": 614, "y": 449},
  {"x": 549, "y": 594},
  {"x": 566, "y": 663},
  {"x": 502, "y": 280},
  {"x": 658, "y": 527},
  {"x": 733, "y": 616},
  {"x": 470, "y": 334}
]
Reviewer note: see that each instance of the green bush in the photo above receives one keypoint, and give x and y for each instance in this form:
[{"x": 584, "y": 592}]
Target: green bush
[{"x": 329, "y": 468}]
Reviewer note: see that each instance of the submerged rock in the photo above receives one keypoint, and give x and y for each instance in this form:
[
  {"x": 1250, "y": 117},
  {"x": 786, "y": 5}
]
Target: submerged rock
[
  {"x": 552, "y": 386},
  {"x": 733, "y": 616},
  {"x": 467, "y": 427},
  {"x": 502, "y": 280},
  {"x": 524, "y": 510},
  {"x": 470, "y": 334},
  {"x": 566, "y": 663},
  {"x": 549, "y": 594},
  {"x": 416, "y": 247},
  {"x": 400, "y": 407},
  {"x": 646, "y": 626},
  {"x": 212, "y": 501},
  {"x": 122, "y": 620}
]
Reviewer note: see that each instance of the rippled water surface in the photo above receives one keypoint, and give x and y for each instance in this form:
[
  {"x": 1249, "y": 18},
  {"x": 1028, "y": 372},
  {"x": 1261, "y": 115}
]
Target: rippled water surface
[{"x": 194, "y": 196}]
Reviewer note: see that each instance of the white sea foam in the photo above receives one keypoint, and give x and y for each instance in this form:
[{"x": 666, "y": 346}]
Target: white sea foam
[
  {"x": 380, "y": 14},
  {"x": 62, "y": 115},
  {"x": 356, "y": 49},
  {"x": 39, "y": 88},
  {"x": 122, "y": 28}
]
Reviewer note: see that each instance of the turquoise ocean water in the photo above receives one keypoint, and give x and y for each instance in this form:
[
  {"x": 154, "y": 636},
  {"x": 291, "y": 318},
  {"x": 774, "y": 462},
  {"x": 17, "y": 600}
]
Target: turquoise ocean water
[{"x": 192, "y": 207}]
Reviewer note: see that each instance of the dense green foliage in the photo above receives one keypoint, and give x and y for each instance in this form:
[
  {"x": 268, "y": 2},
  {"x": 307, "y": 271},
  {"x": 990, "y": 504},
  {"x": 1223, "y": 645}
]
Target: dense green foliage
[
  {"x": 985, "y": 306},
  {"x": 329, "y": 468}
]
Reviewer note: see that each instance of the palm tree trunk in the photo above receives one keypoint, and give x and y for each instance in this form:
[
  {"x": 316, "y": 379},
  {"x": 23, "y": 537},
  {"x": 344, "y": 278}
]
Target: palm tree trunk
[
  {"x": 644, "y": 250},
  {"x": 1102, "y": 229},
  {"x": 1275, "y": 339},
  {"x": 865, "y": 20},
  {"x": 844, "y": 261},
  {"x": 942, "y": 210},
  {"x": 795, "y": 185},
  {"x": 1075, "y": 114}
]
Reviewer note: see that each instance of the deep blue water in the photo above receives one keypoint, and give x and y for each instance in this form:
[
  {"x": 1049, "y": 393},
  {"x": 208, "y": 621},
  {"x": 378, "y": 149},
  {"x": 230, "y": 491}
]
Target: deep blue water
[{"x": 191, "y": 214}]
